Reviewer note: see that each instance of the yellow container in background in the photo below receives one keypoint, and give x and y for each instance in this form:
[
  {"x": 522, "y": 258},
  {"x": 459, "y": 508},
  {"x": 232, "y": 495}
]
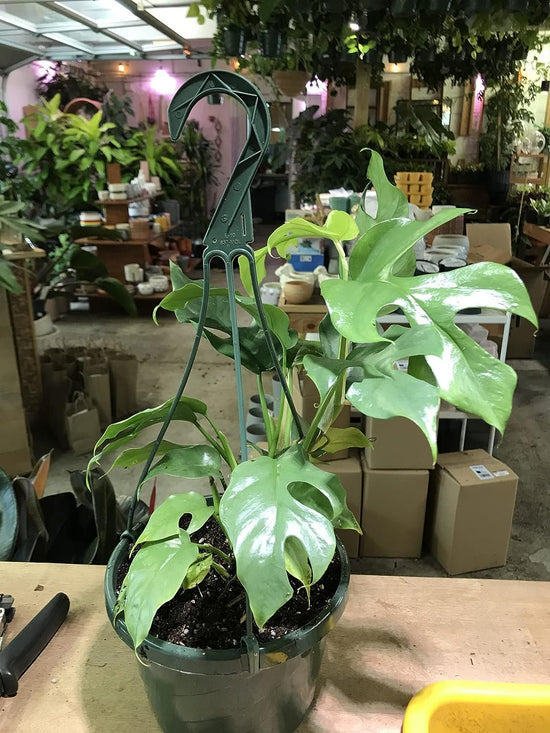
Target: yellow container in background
[{"x": 479, "y": 707}]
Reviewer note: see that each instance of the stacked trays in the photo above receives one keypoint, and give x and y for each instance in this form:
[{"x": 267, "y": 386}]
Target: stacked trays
[{"x": 417, "y": 187}]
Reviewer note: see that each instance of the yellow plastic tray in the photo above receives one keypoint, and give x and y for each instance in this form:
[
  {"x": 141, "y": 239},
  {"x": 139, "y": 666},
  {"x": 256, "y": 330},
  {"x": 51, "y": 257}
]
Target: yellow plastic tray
[{"x": 479, "y": 707}]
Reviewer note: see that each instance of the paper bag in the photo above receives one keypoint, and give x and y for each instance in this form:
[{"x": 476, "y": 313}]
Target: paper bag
[
  {"x": 98, "y": 388},
  {"x": 82, "y": 424},
  {"x": 123, "y": 370},
  {"x": 56, "y": 388}
]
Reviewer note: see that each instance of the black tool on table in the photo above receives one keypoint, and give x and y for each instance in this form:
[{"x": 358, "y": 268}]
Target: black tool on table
[{"x": 21, "y": 652}]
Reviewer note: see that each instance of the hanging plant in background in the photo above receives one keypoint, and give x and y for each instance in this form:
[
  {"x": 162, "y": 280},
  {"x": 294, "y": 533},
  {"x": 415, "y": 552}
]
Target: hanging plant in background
[
  {"x": 70, "y": 82},
  {"x": 326, "y": 38}
]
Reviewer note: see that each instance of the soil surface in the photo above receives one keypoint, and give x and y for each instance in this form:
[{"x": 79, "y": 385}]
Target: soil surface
[{"x": 212, "y": 615}]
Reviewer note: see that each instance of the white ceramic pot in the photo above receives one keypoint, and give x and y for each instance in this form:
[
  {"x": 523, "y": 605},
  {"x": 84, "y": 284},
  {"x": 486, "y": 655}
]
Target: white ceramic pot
[
  {"x": 145, "y": 288},
  {"x": 451, "y": 240},
  {"x": 270, "y": 293}
]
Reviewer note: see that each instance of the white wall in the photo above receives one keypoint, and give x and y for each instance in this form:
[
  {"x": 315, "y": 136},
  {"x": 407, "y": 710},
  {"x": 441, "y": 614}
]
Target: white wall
[{"x": 20, "y": 91}]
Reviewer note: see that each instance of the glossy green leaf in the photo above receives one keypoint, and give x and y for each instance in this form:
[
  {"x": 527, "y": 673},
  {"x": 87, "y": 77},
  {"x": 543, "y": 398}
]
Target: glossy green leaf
[
  {"x": 164, "y": 521},
  {"x": 124, "y": 431},
  {"x": 189, "y": 461},
  {"x": 339, "y": 226},
  {"x": 118, "y": 292},
  {"x": 336, "y": 439},
  {"x": 329, "y": 338},
  {"x": 143, "y": 593},
  {"x": 254, "y": 353},
  {"x": 324, "y": 372},
  {"x": 376, "y": 252},
  {"x": 389, "y": 392},
  {"x": 392, "y": 203},
  {"x": 134, "y": 456},
  {"x": 178, "y": 299},
  {"x": 244, "y": 268},
  {"x": 197, "y": 571},
  {"x": 297, "y": 563},
  {"x": 259, "y": 513}
]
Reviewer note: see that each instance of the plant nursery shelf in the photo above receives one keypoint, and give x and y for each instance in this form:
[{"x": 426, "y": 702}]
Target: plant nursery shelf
[{"x": 447, "y": 628}]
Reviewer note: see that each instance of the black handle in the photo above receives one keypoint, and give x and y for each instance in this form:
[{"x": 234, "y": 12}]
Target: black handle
[{"x": 29, "y": 642}]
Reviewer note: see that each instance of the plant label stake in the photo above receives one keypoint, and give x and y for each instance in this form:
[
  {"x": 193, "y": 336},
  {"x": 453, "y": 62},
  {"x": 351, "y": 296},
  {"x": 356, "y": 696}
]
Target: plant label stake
[{"x": 228, "y": 236}]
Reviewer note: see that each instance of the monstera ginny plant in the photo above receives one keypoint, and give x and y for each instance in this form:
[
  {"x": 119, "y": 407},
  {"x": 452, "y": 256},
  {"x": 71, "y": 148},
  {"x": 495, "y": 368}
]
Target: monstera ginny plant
[{"x": 275, "y": 513}]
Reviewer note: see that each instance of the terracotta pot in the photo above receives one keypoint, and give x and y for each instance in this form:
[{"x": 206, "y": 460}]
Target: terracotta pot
[
  {"x": 291, "y": 83},
  {"x": 298, "y": 291}
]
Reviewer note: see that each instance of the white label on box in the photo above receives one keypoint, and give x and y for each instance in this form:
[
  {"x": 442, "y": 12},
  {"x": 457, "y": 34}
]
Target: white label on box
[
  {"x": 482, "y": 472},
  {"x": 402, "y": 365},
  {"x": 501, "y": 473}
]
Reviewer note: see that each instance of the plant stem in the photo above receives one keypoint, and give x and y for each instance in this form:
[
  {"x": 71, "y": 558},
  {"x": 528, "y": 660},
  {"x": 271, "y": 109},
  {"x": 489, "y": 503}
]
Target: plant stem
[
  {"x": 215, "y": 496},
  {"x": 325, "y": 402},
  {"x": 268, "y": 420},
  {"x": 212, "y": 441},
  {"x": 215, "y": 551},
  {"x": 220, "y": 570},
  {"x": 227, "y": 452}
]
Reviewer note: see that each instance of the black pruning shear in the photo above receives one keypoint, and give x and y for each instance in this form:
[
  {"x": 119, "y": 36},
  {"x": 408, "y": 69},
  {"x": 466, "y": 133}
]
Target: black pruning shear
[{"x": 21, "y": 652}]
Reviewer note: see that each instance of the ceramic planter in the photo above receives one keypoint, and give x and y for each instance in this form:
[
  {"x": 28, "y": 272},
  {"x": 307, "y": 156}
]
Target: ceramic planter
[{"x": 209, "y": 691}]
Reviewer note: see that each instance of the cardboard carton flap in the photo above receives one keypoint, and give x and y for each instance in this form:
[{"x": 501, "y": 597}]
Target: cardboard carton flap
[
  {"x": 475, "y": 467},
  {"x": 489, "y": 242}
]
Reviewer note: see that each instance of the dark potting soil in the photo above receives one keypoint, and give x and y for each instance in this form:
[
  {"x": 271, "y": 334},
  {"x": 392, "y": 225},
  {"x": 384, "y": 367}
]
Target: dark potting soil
[{"x": 212, "y": 615}]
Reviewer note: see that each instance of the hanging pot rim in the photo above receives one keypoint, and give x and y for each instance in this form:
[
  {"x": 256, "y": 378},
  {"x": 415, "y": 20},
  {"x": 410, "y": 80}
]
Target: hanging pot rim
[{"x": 235, "y": 660}]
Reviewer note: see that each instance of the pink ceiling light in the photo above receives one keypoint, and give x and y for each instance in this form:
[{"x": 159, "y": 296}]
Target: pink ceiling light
[{"x": 162, "y": 83}]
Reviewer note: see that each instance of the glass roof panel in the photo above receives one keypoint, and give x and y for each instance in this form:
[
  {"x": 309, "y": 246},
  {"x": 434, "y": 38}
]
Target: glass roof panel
[{"x": 91, "y": 28}]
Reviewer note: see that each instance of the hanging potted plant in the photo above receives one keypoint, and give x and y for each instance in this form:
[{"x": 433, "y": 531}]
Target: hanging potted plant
[{"x": 266, "y": 539}]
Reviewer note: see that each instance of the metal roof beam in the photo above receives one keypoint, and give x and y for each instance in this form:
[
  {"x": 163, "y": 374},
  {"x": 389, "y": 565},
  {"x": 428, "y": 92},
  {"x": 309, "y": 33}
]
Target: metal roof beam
[
  {"x": 154, "y": 22},
  {"x": 67, "y": 41},
  {"x": 79, "y": 18},
  {"x": 16, "y": 22}
]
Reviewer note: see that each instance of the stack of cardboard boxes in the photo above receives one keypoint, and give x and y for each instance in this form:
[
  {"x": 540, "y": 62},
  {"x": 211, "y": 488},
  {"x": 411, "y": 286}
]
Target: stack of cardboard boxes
[
  {"x": 461, "y": 510},
  {"x": 395, "y": 489}
]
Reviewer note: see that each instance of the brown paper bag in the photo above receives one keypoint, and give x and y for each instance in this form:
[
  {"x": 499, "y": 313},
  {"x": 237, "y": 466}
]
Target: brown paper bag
[
  {"x": 123, "y": 370},
  {"x": 82, "y": 424},
  {"x": 56, "y": 388},
  {"x": 98, "y": 388}
]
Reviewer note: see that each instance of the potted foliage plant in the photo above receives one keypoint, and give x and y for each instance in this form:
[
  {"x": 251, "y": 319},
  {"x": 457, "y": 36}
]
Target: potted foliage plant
[{"x": 260, "y": 557}]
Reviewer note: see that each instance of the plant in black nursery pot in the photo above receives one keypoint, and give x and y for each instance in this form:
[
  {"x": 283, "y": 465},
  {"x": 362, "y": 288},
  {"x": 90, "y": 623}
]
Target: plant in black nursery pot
[{"x": 237, "y": 591}]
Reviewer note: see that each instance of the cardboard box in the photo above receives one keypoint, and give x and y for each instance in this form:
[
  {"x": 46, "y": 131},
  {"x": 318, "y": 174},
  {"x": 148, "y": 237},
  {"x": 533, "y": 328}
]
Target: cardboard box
[
  {"x": 350, "y": 474},
  {"x": 306, "y": 400},
  {"x": 394, "y": 509},
  {"x": 521, "y": 341},
  {"x": 398, "y": 444},
  {"x": 489, "y": 243},
  {"x": 493, "y": 243},
  {"x": 472, "y": 498}
]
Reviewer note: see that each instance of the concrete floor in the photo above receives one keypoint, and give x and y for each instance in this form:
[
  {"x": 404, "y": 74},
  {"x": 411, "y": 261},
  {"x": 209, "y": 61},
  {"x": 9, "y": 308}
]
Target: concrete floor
[{"x": 162, "y": 352}]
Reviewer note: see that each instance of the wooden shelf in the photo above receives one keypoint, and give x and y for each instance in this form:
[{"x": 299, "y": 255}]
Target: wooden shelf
[{"x": 119, "y": 202}]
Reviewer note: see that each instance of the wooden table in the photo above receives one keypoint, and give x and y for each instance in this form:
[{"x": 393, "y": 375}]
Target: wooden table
[{"x": 396, "y": 636}]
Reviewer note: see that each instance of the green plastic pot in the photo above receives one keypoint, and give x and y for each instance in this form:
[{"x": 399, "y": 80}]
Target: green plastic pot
[
  {"x": 234, "y": 41},
  {"x": 212, "y": 691}
]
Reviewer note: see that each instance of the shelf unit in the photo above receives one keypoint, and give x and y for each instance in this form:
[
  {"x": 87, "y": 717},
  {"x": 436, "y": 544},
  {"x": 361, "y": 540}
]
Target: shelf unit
[{"x": 534, "y": 171}]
